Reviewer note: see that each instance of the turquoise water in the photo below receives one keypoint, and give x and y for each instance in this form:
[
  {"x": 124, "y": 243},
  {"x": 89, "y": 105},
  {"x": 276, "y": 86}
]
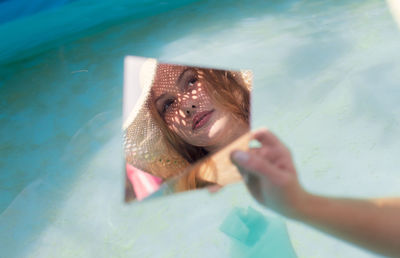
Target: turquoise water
[{"x": 326, "y": 81}]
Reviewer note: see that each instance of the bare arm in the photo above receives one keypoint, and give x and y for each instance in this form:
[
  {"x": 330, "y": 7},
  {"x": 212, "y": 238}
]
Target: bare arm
[
  {"x": 271, "y": 178},
  {"x": 372, "y": 224}
]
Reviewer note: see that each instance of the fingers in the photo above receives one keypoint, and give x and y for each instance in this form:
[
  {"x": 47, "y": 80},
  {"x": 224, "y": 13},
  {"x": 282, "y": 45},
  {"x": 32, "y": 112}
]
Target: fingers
[
  {"x": 253, "y": 164},
  {"x": 272, "y": 148},
  {"x": 265, "y": 153},
  {"x": 266, "y": 137}
]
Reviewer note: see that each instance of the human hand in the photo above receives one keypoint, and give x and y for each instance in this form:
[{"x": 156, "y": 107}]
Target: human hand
[{"x": 270, "y": 174}]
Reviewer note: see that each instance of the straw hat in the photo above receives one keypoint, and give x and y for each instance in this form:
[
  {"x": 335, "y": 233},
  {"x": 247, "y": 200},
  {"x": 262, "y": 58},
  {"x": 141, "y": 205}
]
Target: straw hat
[{"x": 145, "y": 145}]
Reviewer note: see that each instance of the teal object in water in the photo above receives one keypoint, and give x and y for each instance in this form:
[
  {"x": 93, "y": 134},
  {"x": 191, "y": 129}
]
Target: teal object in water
[
  {"x": 246, "y": 226},
  {"x": 317, "y": 68},
  {"x": 256, "y": 235}
]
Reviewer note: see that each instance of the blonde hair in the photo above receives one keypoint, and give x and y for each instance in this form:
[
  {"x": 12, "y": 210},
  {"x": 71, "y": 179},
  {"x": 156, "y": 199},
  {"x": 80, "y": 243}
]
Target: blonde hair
[{"x": 230, "y": 91}]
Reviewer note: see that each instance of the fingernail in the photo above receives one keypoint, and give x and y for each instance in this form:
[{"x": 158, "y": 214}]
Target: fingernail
[{"x": 240, "y": 157}]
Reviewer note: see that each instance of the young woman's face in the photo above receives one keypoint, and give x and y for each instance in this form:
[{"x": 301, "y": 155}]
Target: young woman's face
[{"x": 181, "y": 98}]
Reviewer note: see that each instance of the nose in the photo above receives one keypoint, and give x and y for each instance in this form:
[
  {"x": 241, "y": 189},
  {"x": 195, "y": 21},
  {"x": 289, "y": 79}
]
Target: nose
[
  {"x": 187, "y": 105},
  {"x": 188, "y": 108}
]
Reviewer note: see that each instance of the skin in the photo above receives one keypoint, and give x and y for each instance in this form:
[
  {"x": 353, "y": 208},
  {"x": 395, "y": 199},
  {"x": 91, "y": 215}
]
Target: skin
[
  {"x": 271, "y": 178},
  {"x": 179, "y": 94}
]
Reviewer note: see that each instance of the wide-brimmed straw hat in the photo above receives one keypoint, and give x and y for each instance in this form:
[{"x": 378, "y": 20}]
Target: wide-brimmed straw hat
[{"x": 146, "y": 148}]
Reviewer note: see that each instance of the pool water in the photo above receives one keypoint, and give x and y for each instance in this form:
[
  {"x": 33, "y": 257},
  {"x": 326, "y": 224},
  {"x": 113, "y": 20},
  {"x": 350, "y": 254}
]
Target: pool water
[{"x": 326, "y": 81}]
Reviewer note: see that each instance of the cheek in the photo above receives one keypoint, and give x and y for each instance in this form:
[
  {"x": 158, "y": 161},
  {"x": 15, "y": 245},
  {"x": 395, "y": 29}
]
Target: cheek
[
  {"x": 175, "y": 116},
  {"x": 203, "y": 99},
  {"x": 202, "y": 95},
  {"x": 175, "y": 122},
  {"x": 171, "y": 119}
]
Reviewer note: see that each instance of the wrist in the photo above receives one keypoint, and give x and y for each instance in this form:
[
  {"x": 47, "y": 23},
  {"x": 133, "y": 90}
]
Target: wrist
[
  {"x": 313, "y": 208},
  {"x": 304, "y": 206}
]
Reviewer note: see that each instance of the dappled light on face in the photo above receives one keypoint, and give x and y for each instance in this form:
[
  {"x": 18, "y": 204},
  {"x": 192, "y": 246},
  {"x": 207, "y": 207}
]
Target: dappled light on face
[
  {"x": 177, "y": 120},
  {"x": 182, "y": 100},
  {"x": 181, "y": 113},
  {"x": 187, "y": 101}
]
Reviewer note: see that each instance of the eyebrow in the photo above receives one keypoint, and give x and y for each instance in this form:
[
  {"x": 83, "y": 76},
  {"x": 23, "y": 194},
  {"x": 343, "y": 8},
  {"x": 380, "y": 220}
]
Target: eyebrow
[{"x": 178, "y": 81}]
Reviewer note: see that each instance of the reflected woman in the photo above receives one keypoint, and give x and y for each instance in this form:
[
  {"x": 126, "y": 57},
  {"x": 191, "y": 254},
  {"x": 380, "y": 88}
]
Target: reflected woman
[{"x": 198, "y": 112}]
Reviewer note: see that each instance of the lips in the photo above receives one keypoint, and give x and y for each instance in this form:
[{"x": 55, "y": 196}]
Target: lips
[{"x": 200, "y": 119}]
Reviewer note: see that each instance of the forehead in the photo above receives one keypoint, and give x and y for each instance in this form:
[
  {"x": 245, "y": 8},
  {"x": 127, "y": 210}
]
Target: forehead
[{"x": 166, "y": 77}]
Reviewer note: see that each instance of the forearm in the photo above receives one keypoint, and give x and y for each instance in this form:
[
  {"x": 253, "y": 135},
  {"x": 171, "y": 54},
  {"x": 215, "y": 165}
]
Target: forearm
[{"x": 372, "y": 224}]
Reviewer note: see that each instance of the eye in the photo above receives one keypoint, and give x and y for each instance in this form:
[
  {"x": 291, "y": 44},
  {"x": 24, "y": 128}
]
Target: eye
[
  {"x": 191, "y": 82},
  {"x": 167, "y": 104}
]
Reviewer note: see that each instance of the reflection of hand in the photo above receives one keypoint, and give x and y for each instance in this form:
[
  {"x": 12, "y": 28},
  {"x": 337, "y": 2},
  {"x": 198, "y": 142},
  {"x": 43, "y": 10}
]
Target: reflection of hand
[{"x": 270, "y": 174}]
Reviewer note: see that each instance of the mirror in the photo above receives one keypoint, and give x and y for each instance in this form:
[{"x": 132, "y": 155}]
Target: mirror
[{"x": 180, "y": 124}]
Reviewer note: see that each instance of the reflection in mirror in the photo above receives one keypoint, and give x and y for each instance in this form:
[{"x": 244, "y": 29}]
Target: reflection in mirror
[{"x": 180, "y": 124}]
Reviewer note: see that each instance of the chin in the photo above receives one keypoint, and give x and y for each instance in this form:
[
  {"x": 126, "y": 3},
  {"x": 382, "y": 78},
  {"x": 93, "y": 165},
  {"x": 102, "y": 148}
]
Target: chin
[
  {"x": 203, "y": 143},
  {"x": 217, "y": 130}
]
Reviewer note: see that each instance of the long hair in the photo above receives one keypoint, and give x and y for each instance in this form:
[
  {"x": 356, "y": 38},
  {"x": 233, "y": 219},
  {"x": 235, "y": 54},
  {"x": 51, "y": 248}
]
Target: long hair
[{"x": 227, "y": 89}]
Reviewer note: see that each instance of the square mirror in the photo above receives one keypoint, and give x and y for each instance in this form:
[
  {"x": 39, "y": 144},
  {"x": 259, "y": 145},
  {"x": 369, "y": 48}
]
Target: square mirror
[{"x": 180, "y": 124}]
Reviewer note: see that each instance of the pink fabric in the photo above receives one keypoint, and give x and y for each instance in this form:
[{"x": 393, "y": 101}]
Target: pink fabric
[{"x": 143, "y": 183}]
